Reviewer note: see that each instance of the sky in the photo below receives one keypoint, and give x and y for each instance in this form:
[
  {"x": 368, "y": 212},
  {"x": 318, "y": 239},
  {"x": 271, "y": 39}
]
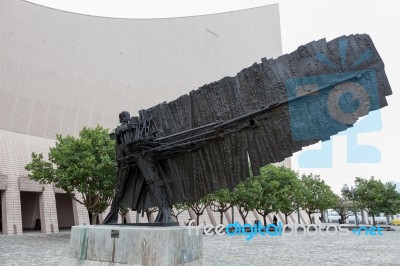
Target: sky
[{"x": 302, "y": 22}]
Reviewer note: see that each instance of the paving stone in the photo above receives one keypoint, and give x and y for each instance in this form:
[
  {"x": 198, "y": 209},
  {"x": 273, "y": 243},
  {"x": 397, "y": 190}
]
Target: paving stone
[{"x": 38, "y": 249}]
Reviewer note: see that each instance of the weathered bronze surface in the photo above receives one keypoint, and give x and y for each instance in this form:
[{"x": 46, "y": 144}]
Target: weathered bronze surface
[{"x": 206, "y": 140}]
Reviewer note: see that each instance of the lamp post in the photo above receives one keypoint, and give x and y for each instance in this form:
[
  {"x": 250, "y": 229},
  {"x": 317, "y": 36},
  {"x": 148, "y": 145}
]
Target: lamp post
[{"x": 346, "y": 189}]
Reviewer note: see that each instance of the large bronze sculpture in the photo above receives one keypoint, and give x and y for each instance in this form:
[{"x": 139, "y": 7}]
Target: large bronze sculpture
[{"x": 206, "y": 140}]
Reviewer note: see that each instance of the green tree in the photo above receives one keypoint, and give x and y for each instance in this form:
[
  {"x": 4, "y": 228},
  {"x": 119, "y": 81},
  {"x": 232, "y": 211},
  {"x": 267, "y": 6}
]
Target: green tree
[
  {"x": 221, "y": 201},
  {"x": 289, "y": 193},
  {"x": 123, "y": 212},
  {"x": 318, "y": 196},
  {"x": 344, "y": 206},
  {"x": 351, "y": 200},
  {"x": 199, "y": 206},
  {"x": 264, "y": 188},
  {"x": 83, "y": 165},
  {"x": 178, "y": 209},
  {"x": 391, "y": 204},
  {"x": 245, "y": 197},
  {"x": 376, "y": 197}
]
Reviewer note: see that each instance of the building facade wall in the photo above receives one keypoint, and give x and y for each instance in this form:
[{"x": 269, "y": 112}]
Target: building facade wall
[{"x": 61, "y": 71}]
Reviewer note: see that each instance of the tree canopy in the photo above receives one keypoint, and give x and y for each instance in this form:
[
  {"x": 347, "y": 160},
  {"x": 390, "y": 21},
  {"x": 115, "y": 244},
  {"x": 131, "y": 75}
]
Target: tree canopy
[
  {"x": 199, "y": 206},
  {"x": 85, "y": 165},
  {"x": 221, "y": 201},
  {"x": 289, "y": 193},
  {"x": 344, "y": 206},
  {"x": 318, "y": 196},
  {"x": 245, "y": 196},
  {"x": 376, "y": 197},
  {"x": 279, "y": 189},
  {"x": 177, "y": 209},
  {"x": 265, "y": 186}
]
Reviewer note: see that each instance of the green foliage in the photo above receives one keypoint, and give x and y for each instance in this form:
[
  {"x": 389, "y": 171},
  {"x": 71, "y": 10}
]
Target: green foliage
[
  {"x": 123, "y": 212},
  {"x": 289, "y": 194},
  {"x": 84, "y": 165},
  {"x": 277, "y": 189},
  {"x": 221, "y": 202},
  {"x": 376, "y": 197},
  {"x": 318, "y": 196},
  {"x": 199, "y": 206},
  {"x": 177, "y": 209},
  {"x": 245, "y": 196},
  {"x": 392, "y": 200},
  {"x": 370, "y": 195},
  {"x": 344, "y": 206},
  {"x": 265, "y": 187}
]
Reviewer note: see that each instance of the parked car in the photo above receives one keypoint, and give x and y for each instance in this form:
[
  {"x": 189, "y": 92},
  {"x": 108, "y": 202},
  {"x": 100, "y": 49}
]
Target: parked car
[{"x": 333, "y": 216}]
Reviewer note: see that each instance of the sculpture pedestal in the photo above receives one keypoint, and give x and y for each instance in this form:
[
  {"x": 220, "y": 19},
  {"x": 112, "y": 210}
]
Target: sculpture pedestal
[{"x": 134, "y": 245}]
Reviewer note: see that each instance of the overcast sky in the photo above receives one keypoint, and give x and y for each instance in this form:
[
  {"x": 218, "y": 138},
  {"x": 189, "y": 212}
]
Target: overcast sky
[{"x": 301, "y": 22}]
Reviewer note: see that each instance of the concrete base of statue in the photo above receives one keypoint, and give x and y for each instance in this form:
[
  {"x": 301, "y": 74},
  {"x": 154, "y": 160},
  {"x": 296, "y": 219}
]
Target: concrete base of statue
[{"x": 134, "y": 245}]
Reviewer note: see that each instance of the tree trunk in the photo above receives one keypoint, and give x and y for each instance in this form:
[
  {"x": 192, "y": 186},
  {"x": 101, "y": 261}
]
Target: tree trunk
[
  {"x": 242, "y": 214},
  {"x": 149, "y": 215},
  {"x": 309, "y": 217},
  {"x": 373, "y": 219},
  {"x": 298, "y": 216},
  {"x": 362, "y": 217},
  {"x": 342, "y": 218},
  {"x": 94, "y": 217},
  {"x": 197, "y": 219},
  {"x": 286, "y": 216},
  {"x": 265, "y": 219},
  {"x": 221, "y": 220}
]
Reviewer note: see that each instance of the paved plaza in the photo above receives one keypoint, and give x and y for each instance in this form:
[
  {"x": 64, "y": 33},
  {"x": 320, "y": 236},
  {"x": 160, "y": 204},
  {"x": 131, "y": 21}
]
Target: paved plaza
[{"x": 39, "y": 249}]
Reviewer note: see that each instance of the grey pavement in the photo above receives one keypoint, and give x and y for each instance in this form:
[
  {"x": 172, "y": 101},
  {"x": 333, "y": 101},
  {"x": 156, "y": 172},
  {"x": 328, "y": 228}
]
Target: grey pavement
[
  {"x": 39, "y": 249},
  {"x": 321, "y": 249},
  {"x": 33, "y": 248}
]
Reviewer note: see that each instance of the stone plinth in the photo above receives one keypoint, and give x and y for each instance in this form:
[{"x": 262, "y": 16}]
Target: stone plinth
[{"x": 134, "y": 245}]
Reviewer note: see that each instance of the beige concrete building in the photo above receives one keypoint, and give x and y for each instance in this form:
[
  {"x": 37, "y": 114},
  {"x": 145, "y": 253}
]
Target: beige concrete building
[{"x": 61, "y": 71}]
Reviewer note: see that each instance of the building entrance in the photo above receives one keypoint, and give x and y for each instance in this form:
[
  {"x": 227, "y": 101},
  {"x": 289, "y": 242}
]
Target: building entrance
[
  {"x": 30, "y": 211},
  {"x": 65, "y": 213}
]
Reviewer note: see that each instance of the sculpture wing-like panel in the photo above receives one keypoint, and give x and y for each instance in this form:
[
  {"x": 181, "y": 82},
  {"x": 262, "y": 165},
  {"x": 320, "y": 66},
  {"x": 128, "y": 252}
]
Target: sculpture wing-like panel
[{"x": 266, "y": 113}]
